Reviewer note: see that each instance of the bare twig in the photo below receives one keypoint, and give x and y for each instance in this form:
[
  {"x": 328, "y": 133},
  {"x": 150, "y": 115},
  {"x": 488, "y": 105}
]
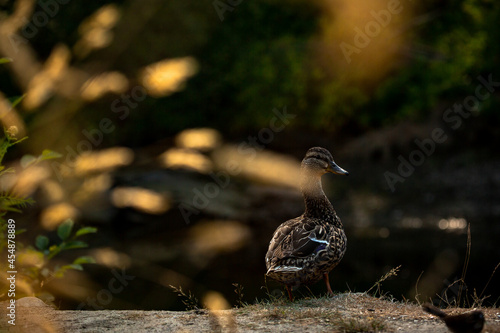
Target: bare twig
[
  {"x": 416, "y": 288},
  {"x": 487, "y": 283}
]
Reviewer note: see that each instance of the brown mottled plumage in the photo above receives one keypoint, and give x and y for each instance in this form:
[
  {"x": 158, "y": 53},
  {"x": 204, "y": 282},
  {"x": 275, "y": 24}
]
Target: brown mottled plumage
[{"x": 305, "y": 249}]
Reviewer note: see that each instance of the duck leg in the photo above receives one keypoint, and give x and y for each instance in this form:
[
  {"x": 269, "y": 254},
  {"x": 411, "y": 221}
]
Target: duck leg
[
  {"x": 327, "y": 282},
  {"x": 289, "y": 289}
]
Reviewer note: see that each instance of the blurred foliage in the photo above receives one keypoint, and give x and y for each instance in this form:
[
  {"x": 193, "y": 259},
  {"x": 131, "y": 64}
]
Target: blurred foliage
[
  {"x": 264, "y": 55},
  {"x": 9, "y": 202},
  {"x": 34, "y": 267},
  {"x": 261, "y": 60}
]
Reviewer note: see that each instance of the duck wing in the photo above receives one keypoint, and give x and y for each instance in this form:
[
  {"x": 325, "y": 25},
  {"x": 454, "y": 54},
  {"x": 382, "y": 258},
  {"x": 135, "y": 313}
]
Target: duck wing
[{"x": 298, "y": 240}]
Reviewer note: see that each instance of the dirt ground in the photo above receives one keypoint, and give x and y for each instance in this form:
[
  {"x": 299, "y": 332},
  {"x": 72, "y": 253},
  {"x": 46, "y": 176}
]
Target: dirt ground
[{"x": 348, "y": 312}]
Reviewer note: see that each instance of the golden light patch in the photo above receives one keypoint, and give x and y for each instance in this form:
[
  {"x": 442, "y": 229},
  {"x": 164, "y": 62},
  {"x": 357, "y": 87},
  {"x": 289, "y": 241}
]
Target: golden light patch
[
  {"x": 361, "y": 39},
  {"x": 176, "y": 158},
  {"x": 261, "y": 165},
  {"x": 42, "y": 86},
  {"x": 28, "y": 180},
  {"x": 111, "y": 258},
  {"x": 91, "y": 187},
  {"x": 198, "y": 138},
  {"x": 167, "y": 76},
  {"x": 96, "y": 31},
  {"x": 99, "y": 85},
  {"x": 103, "y": 160},
  {"x": 219, "y": 236},
  {"x": 55, "y": 214},
  {"x": 52, "y": 191},
  {"x": 142, "y": 199},
  {"x": 214, "y": 301}
]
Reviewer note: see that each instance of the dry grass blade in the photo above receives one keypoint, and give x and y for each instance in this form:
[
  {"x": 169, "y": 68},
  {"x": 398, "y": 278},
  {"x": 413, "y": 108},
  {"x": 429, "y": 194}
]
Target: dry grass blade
[
  {"x": 189, "y": 300},
  {"x": 466, "y": 263},
  {"x": 416, "y": 289},
  {"x": 238, "y": 289},
  {"x": 489, "y": 280},
  {"x": 392, "y": 272}
]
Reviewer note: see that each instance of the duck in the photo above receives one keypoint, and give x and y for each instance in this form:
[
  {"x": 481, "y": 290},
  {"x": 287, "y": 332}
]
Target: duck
[
  {"x": 468, "y": 322},
  {"x": 305, "y": 249}
]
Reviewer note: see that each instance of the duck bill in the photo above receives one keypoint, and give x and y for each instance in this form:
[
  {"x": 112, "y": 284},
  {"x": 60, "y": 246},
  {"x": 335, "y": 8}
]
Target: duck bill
[{"x": 334, "y": 168}]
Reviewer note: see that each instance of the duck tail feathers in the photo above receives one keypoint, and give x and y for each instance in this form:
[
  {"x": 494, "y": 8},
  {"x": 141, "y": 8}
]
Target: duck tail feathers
[{"x": 433, "y": 310}]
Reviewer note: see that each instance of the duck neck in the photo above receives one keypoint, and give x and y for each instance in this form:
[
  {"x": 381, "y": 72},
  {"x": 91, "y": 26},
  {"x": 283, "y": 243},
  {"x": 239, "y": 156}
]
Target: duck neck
[{"x": 316, "y": 202}]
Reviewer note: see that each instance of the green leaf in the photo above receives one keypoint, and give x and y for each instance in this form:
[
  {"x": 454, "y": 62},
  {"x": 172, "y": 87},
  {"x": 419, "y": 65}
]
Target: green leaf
[
  {"x": 74, "y": 245},
  {"x": 28, "y": 160},
  {"x": 49, "y": 155},
  {"x": 53, "y": 251},
  {"x": 20, "y": 231},
  {"x": 76, "y": 266},
  {"x": 64, "y": 230},
  {"x": 85, "y": 230},
  {"x": 59, "y": 272},
  {"x": 5, "y": 60},
  {"x": 42, "y": 242},
  {"x": 9, "y": 170},
  {"x": 84, "y": 260},
  {"x": 16, "y": 100}
]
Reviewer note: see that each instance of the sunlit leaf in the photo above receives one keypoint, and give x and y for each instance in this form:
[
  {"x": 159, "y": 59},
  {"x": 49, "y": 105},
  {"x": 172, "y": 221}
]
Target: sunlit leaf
[
  {"x": 28, "y": 160},
  {"x": 64, "y": 230},
  {"x": 20, "y": 231},
  {"x": 42, "y": 242},
  {"x": 75, "y": 245},
  {"x": 86, "y": 230},
  {"x": 16, "y": 100},
  {"x": 8, "y": 170},
  {"x": 48, "y": 155},
  {"x": 84, "y": 260},
  {"x": 59, "y": 272},
  {"x": 75, "y": 266}
]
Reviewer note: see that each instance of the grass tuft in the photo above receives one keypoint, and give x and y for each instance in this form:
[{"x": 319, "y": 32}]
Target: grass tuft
[
  {"x": 189, "y": 300},
  {"x": 238, "y": 289},
  {"x": 378, "y": 284}
]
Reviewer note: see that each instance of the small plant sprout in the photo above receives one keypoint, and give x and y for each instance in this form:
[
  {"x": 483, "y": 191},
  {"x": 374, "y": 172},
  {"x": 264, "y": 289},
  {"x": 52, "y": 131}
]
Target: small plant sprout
[{"x": 68, "y": 242}]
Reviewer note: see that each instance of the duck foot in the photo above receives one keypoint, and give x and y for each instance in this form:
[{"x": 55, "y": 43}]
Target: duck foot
[
  {"x": 327, "y": 282},
  {"x": 289, "y": 289}
]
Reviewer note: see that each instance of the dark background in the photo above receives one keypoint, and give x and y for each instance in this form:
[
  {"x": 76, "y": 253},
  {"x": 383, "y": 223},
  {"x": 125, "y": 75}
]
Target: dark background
[{"x": 116, "y": 87}]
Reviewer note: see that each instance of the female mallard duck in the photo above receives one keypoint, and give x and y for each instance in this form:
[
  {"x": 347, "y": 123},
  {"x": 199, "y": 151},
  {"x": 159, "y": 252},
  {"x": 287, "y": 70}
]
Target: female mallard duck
[{"x": 305, "y": 249}]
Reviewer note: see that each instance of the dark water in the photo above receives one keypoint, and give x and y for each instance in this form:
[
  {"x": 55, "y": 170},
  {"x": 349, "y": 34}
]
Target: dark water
[{"x": 421, "y": 228}]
